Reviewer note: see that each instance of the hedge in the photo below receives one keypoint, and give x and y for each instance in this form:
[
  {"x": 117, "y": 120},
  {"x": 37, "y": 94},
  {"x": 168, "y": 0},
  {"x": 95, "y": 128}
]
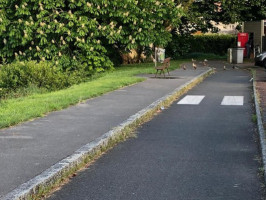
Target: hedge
[
  {"x": 182, "y": 45},
  {"x": 44, "y": 75}
]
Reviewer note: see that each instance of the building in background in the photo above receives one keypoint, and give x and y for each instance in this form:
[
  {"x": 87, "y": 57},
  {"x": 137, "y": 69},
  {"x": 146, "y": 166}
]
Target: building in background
[
  {"x": 226, "y": 28},
  {"x": 257, "y": 32}
]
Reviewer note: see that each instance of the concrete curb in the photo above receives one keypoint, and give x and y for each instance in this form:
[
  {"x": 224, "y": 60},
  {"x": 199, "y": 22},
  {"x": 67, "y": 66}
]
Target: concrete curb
[
  {"x": 260, "y": 128},
  {"x": 54, "y": 174}
]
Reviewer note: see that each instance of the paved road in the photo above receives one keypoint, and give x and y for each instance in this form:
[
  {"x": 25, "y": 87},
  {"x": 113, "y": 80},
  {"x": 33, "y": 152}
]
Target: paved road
[
  {"x": 28, "y": 149},
  {"x": 205, "y": 151}
]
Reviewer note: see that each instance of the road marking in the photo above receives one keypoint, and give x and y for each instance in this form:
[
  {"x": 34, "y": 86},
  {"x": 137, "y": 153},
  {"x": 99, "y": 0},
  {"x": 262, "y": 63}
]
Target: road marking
[
  {"x": 16, "y": 137},
  {"x": 191, "y": 100},
  {"x": 233, "y": 101}
]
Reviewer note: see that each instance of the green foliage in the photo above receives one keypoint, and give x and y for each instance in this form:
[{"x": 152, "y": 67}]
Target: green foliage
[
  {"x": 179, "y": 46},
  {"x": 202, "y": 56},
  {"x": 239, "y": 11},
  {"x": 203, "y": 14},
  {"x": 79, "y": 38},
  {"x": 22, "y": 75},
  {"x": 254, "y": 118},
  {"x": 14, "y": 76},
  {"x": 182, "y": 45},
  {"x": 68, "y": 30},
  {"x": 213, "y": 43}
]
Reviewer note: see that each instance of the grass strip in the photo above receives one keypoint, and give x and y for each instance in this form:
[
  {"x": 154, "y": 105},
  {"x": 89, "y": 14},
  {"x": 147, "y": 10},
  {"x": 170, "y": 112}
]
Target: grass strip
[{"x": 17, "y": 110}]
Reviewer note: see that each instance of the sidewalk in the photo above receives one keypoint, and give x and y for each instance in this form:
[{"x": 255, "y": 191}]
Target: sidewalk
[
  {"x": 27, "y": 150},
  {"x": 260, "y": 106},
  {"x": 261, "y": 89}
]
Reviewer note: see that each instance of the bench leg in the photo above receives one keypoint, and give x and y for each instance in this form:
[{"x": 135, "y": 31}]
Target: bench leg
[
  {"x": 161, "y": 71},
  {"x": 156, "y": 73},
  {"x": 168, "y": 71}
]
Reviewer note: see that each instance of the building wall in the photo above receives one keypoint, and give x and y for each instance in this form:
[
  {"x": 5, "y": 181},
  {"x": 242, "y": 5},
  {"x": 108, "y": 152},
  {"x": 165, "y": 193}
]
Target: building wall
[
  {"x": 226, "y": 28},
  {"x": 264, "y": 37},
  {"x": 257, "y": 28}
]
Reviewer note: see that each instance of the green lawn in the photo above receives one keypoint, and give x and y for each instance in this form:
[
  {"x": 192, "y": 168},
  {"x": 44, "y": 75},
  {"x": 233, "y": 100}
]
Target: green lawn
[{"x": 16, "y": 110}]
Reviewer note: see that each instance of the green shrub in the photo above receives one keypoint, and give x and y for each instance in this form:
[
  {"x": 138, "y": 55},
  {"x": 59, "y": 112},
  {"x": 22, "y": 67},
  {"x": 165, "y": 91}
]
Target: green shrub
[
  {"x": 212, "y": 43},
  {"x": 18, "y": 75},
  {"x": 15, "y": 75},
  {"x": 179, "y": 46},
  {"x": 202, "y": 56},
  {"x": 46, "y": 75},
  {"x": 182, "y": 45}
]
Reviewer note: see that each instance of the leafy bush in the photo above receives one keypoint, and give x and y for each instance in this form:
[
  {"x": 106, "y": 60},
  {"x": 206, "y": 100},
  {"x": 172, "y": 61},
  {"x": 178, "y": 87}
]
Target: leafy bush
[
  {"x": 202, "y": 56},
  {"x": 213, "y": 43},
  {"x": 76, "y": 29},
  {"x": 20, "y": 75},
  {"x": 179, "y": 46},
  {"x": 182, "y": 45}
]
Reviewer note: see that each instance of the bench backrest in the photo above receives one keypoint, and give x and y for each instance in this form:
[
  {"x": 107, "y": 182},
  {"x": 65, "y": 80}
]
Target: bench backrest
[{"x": 166, "y": 62}]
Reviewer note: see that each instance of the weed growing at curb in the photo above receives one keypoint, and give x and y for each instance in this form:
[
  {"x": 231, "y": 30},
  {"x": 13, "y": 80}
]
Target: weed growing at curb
[{"x": 254, "y": 118}]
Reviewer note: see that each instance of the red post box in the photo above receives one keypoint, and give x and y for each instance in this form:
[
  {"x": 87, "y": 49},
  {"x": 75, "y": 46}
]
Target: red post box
[{"x": 242, "y": 39}]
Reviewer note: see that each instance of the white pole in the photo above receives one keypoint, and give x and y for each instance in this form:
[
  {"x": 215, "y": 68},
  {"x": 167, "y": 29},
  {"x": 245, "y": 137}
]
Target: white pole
[{"x": 155, "y": 57}]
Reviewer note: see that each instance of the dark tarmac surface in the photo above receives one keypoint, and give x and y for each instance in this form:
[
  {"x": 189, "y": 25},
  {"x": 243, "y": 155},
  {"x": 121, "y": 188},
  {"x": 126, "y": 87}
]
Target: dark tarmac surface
[
  {"x": 28, "y": 149},
  {"x": 201, "y": 152}
]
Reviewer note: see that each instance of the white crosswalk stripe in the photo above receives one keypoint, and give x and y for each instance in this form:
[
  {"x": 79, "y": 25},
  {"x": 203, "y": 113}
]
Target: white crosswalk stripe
[
  {"x": 233, "y": 101},
  {"x": 227, "y": 100},
  {"x": 191, "y": 99}
]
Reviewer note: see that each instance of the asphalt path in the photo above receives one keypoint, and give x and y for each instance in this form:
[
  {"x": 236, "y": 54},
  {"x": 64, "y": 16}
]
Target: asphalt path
[
  {"x": 205, "y": 151},
  {"x": 30, "y": 148}
]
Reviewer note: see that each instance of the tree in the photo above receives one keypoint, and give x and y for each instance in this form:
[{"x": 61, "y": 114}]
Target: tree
[
  {"x": 200, "y": 13},
  {"x": 69, "y": 31},
  {"x": 241, "y": 10}
]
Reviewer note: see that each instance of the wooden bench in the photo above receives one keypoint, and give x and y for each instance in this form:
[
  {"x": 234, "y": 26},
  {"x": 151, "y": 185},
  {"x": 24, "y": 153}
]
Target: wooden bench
[{"x": 165, "y": 65}]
